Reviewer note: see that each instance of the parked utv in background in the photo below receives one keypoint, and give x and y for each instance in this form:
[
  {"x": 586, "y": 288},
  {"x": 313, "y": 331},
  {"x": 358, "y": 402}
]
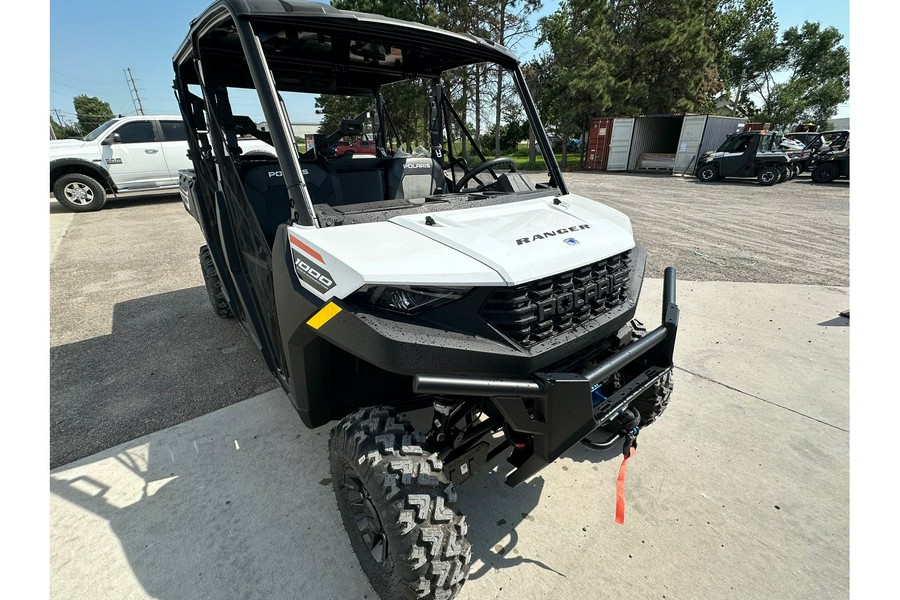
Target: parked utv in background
[
  {"x": 823, "y": 142},
  {"x": 748, "y": 154},
  {"x": 383, "y": 284},
  {"x": 828, "y": 166}
]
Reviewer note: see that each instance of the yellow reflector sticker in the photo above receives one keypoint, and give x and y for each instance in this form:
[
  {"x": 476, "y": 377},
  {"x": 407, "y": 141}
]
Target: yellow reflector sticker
[{"x": 324, "y": 315}]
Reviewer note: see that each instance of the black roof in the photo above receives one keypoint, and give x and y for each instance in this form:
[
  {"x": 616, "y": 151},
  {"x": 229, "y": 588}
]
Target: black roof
[{"x": 313, "y": 47}]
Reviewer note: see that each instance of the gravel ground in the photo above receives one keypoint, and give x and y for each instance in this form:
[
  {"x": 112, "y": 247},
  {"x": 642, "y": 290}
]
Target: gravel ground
[{"x": 795, "y": 232}]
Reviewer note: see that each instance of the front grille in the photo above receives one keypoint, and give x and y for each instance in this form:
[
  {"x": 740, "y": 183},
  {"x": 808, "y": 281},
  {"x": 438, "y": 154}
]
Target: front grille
[{"x": 533, "y": 312}]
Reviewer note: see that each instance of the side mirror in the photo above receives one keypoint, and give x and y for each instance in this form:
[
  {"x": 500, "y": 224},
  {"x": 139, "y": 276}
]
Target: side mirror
[{"x": 111, "y": 139}]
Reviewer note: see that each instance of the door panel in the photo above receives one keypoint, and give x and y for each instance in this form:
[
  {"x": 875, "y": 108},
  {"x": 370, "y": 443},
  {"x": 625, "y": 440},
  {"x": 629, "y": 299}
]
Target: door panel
[
  {"x": 620, "y": 144},
  {"x": 136, "y": 159},
  {"x": 175, "y": 147}
]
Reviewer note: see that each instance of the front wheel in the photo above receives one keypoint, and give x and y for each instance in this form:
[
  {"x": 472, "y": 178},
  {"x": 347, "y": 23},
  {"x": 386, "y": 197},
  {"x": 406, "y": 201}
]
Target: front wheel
[
  {"x": 825, "y": 173},
  {"x": 398, "y": 507},
  {"x": 708, "y": 173},
  {"x": 768, "y": 175},
  {"x": 79, "y": 193},
  {"x": 652, "y": 402}
]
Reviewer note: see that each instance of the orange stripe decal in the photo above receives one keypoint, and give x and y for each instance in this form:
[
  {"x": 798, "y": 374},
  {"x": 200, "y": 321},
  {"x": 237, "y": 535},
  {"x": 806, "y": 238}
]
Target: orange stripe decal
[{"x": 307, "y": 249}]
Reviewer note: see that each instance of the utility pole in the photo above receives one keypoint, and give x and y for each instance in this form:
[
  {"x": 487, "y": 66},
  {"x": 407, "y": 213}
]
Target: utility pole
[
  {"x": 132, "y": 89},
  {"x": 59, "y": 122}
]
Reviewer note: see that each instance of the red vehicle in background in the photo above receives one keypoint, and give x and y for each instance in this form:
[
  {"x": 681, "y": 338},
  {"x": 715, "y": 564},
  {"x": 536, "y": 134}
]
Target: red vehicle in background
[{"x": 354, "y": 147}]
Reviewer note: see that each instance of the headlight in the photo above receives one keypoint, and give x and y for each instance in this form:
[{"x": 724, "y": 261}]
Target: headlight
[{"x": 407, "y": 299}]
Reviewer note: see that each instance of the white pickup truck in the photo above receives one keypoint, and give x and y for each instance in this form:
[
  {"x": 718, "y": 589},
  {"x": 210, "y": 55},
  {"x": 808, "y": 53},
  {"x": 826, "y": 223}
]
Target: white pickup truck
[{"x": 124, "y": 154}]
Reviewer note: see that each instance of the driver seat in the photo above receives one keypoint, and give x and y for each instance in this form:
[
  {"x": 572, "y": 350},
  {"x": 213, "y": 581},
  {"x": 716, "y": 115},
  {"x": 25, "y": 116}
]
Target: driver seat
[{"x": 411, "y": 177}]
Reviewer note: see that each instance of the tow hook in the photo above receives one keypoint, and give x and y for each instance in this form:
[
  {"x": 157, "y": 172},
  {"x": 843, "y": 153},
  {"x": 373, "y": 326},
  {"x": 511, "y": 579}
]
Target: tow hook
[{"x": 628, "y": 423}]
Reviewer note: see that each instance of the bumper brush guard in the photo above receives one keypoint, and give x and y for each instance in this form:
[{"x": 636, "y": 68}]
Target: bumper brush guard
[{"x": 564, "y": 412}]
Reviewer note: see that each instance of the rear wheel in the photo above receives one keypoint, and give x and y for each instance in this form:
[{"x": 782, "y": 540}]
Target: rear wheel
[
  {"x": 825, "y": 173},
  {"x": 398, "y": 507},
  {"x": 79, "y": 192},
  {"x": 708, "y": 173},
  {"x": 214, "y": 284},
  {"x": 768, "y": 175}
]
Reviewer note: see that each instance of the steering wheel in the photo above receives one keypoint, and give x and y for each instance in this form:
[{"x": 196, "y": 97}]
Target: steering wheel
[{"x": 488, "y": 164}]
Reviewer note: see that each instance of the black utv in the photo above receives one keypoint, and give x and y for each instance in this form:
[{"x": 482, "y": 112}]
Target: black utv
[
  {"x": 421, "y": 277},
  {"x": 828, "y": 166},
  {"x": 749, "y": 154},
  {"x": 822, "y": 142}
]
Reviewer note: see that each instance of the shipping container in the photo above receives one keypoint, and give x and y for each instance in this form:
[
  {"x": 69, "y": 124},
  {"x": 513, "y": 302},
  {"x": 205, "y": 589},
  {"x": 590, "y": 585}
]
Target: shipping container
[
  {"x": 599, "y": 137},
  {"x": 702, "y": 133},
  {"x": 657, "y": 143},
  {"x": 654, "y": 143}
]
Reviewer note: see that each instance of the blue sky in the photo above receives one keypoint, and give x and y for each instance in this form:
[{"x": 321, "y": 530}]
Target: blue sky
[{"x": 92, "y": 42}]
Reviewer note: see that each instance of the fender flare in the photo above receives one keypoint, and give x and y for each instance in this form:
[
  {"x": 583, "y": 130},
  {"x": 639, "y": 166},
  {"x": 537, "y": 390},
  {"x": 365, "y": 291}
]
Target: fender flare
[{"x": 80, "y": 165}]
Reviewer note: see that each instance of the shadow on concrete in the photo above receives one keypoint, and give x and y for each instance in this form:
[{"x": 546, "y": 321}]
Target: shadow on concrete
[
  {"x": 223, "y": 523},
  {"x": 494, "y": 511},
  {"x": 120, "y": 202},
  {"x": 238, "y": 505},
  {"x": 836, "y": 322},
  {"x": 168, "y": 359}
]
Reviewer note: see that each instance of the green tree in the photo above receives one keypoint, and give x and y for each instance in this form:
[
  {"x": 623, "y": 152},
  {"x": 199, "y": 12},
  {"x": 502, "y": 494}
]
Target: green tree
[
  {"x": 336, "y": 108},
  {"x": 91, "y": 111},
  {"x": 64, "y": 131},
  {"x": 741, "y": 26},
  {"x": 803, "y": 76},
  {"x": 630, "y": 57}
]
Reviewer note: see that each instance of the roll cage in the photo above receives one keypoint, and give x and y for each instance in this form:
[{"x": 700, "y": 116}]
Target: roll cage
[{"x": 299, "y": 46}]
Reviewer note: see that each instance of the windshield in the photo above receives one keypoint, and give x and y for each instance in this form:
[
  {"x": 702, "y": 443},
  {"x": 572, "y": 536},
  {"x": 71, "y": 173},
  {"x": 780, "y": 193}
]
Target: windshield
[{"x": 97, "y": 132}]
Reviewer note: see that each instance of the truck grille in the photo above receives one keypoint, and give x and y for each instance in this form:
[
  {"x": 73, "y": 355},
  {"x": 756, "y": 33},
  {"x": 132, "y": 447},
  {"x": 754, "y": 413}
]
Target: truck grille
[{"x": 536, "y": 311}]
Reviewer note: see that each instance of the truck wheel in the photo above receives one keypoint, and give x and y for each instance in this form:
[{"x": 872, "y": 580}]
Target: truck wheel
[
  {"x": 708, "y": 173},
  {"x": 214, "y": 284},
  {"x": 79, "y": 193},
  {"x": 651, "y": 403},
  {"x": 398, "y": 507},
  {"x": 825, "y": 173},
  {"x": 768, "y": 175}
]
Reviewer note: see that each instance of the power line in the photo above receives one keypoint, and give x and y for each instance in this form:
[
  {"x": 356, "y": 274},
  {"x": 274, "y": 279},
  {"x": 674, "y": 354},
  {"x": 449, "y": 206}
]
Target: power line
[{"x": 84, "y": 80}]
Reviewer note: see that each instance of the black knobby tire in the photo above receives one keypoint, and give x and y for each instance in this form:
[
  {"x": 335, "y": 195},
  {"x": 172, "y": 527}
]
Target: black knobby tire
[
  {"x": 783, "y": 173},
  {"x": 825, "y": 173},
  {"x": 79, "y": 193},
  {"x": 708, "y": 173},
  {"x": 379, "y": 464},
  {"x": 214, "y": 285},
  {"x": 768, "y": 175},
  {"x": 652, "y": 402}
]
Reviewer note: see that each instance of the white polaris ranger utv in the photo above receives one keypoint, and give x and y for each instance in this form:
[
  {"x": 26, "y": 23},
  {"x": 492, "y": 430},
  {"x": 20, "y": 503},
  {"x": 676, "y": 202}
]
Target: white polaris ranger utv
[{"x": 377, "y": 284}]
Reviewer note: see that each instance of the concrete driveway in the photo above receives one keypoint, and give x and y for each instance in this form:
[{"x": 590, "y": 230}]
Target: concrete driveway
[{"x": 739, "y": 491}]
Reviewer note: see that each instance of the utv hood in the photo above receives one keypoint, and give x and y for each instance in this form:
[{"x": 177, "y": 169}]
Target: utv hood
[
  {"x": 528, "y": 240},
  {"x": 507, "y": 244}
]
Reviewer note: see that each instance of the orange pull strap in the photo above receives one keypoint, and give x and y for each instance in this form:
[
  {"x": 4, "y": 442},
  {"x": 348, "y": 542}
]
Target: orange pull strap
[{"x": 620, "y": 489}]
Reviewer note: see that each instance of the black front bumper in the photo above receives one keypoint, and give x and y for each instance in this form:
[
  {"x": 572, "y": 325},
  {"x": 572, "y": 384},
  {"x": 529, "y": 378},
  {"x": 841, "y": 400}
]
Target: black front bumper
[{"x": 563, "y": 410}]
